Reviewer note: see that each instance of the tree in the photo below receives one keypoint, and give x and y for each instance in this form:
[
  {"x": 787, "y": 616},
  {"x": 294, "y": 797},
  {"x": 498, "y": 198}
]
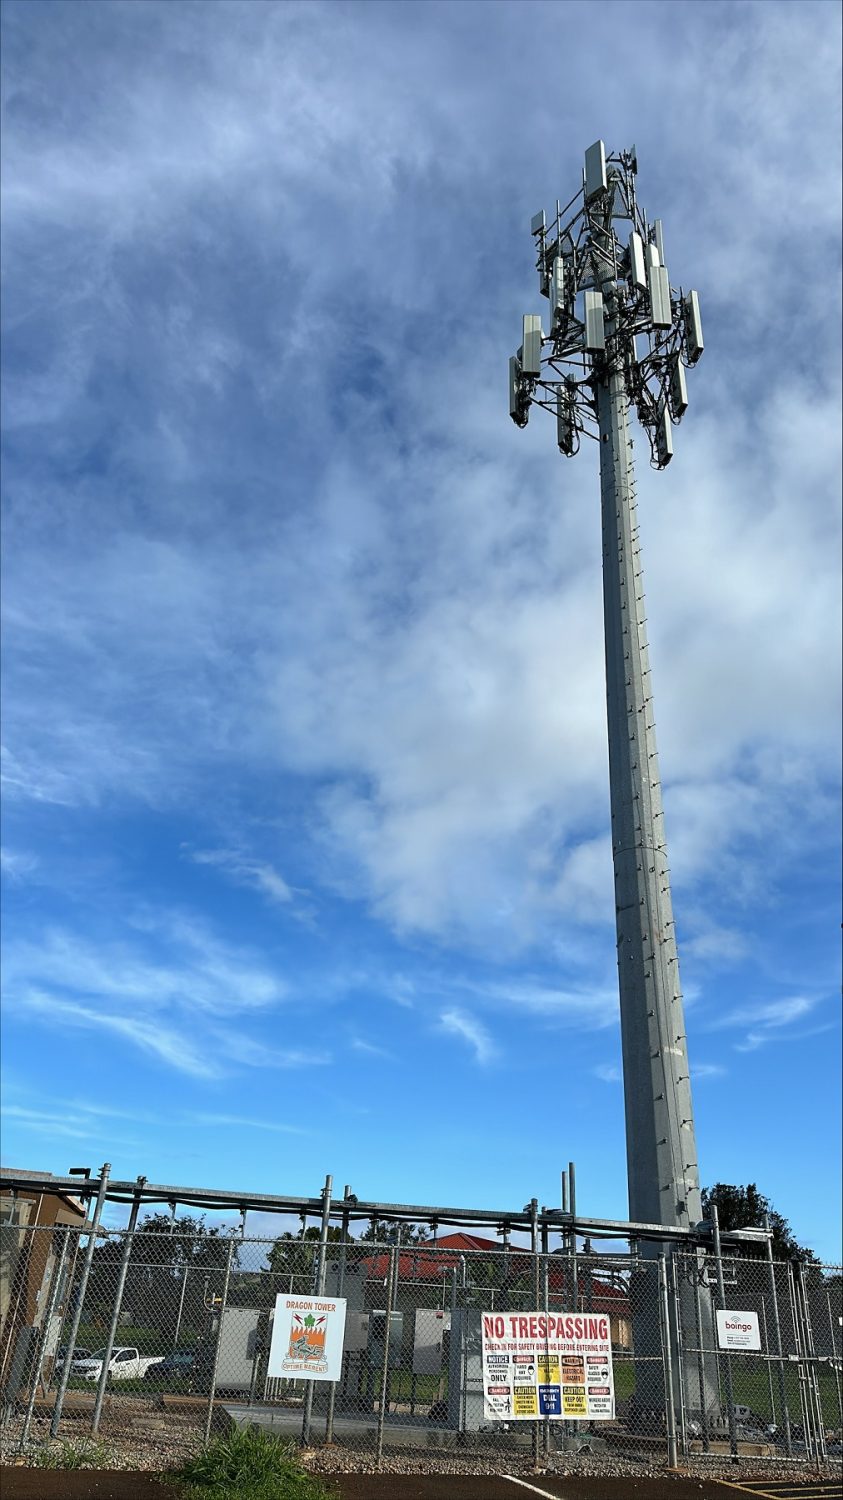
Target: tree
[
  {"x": 176, "y": 1271},
  {"x": 744, "y": 1208},
  {"x": 381, "y": 1232}
]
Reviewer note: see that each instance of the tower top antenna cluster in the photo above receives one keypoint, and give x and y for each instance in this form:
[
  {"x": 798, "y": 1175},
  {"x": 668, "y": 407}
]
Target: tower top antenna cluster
[{"x": 601, "y": 265}]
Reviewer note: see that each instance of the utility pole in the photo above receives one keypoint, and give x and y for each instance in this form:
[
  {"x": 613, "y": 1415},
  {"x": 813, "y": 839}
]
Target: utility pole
[{"x": 621, "y": 336}]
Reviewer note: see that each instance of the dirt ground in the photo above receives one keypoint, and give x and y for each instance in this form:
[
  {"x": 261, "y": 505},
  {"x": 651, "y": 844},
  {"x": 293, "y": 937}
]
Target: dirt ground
[{"x": 101, "y": 1484}]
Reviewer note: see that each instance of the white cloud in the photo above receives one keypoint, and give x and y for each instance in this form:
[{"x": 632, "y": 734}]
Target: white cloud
[
  {"x": 172, "y": 989},
  {"x": 460, "y": 1024},
  {"x": 608, "y": 1073},
  {"x": 768, "y": 1019},
  {"x": 163, "y": 1042},
  {"x": 17, "y": 865},
  {"x": 260, "y": 876}
]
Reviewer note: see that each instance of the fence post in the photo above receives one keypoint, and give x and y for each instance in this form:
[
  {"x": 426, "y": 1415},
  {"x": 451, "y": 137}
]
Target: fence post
[
  {"x": 55, "y": 1288},
  {"x": 318, "y": 1288},
  {"x": 769, "y": 1361},
  {"x": 667, "y": 1362},
  {"x": 813, "y": 1378},
  {"x": 700, "y": 1355},
  {"x": 393, "y": 1253},
  {"x": 77, "y": 1312},
  {"x": 721, "y": 1298},
  {"x": 210, "y": 1413},
  {"x": 332, "y": 1394},
  {"x": 115, "y": 1315},
  {"x": 673, "y": 1296},
  {"x": 546, "y": 1307},
  {"x": 834, "y": 1360},
  {"x": 777, "y": 1330}
]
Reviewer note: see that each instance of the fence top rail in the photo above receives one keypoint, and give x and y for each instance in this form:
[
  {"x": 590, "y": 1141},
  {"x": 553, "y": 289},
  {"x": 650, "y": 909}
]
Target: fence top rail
[{"x": 354, "y": 1209}]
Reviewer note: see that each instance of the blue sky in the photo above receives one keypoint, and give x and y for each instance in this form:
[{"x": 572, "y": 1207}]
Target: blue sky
[{"x": 305, "y": 835}]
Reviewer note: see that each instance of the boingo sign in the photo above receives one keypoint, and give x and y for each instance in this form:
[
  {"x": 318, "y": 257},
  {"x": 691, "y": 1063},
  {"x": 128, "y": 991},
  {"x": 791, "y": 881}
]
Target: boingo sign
[{"x": 738, "y": 1330}]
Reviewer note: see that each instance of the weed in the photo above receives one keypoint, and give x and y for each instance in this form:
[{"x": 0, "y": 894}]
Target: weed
[
  {"x": 83, "y": 1455},
  {"x": 247, "y": 1464}
]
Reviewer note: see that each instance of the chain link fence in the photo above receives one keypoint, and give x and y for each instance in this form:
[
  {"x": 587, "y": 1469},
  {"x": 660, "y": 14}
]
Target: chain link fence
[{"x": 174, "y": 1333}]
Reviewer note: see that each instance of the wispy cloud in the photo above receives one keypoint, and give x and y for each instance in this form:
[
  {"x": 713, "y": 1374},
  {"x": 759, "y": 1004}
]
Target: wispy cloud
[
  {"x": 246, "y": 1122},
  {"x": 708, "y": 1070},
  {"x": 468, "y": 1029},
  {"x": 16, "y": 865},
  {"x": 170, "y": 988},
  {"x": 359, "y": 1044},
  {"x": 608, "y": 1073},
  {"x": 171, "y": 1047},
  {"x": 79, "y": 1124},
  {"x": 768, "y": 1020},
  {"x": 257, "y": 875}
]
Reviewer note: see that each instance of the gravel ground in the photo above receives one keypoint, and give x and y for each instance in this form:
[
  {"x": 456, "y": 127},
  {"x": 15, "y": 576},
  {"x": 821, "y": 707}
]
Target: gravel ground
[{"x": 134, "y": 1435}]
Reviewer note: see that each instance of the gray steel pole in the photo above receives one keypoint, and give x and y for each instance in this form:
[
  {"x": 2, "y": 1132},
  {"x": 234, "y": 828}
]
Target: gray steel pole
[
  {"x": 80, "y": 1298},
  {"x": 181, "y": 1307},
  {"x": 676, "y": 1327},
  {"x": 667, "y": 1360},
  {"x": 777, "y": 1331},
  {"x": 384, "y": 1394},
  {"x": 206, "y": 1437},
  {"x": 660, "y": 1141},
  {"x": 115, "y": 1313},
  {"x": 769, "y": 1362},
  {"x": 834, "y": 1359},
  {"x": 813, "y": 1376},
  {"x": 318, "y": 1288},
  {"x": 332, "y": 1394},
  {"x": 721, "y": 1298},
  {"x": 698, "y": 1325},
  {"x": 55, "y": 1288}
]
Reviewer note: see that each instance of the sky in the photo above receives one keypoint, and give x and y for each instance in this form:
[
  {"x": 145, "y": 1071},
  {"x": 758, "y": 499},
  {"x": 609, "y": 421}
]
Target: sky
[{"x": 305, "y": 813}]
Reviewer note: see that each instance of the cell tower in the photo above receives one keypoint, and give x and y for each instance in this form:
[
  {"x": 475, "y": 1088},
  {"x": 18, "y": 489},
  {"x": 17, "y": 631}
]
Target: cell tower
[{"x": 619, "y": 334}]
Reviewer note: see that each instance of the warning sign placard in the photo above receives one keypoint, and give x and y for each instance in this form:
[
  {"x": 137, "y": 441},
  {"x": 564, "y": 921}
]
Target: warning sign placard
[{"x": 538, "y": 1365}]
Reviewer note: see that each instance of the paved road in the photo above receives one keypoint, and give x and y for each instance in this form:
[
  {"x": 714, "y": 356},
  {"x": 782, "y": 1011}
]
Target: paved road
[{"x": 51, "y": 1484}]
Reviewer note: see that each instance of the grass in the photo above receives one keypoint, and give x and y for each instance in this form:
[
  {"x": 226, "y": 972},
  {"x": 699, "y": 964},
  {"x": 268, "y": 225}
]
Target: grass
[
  {"x": 247, "y": 1464},
  {"x": 86, "y": 1454}
]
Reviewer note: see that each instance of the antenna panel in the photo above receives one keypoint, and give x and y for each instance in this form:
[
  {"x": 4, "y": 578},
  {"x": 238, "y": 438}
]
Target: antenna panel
[
  {"x": 595, "y": 331},
  {"x": 664, "y": 439},
  {"x": 637, "y": 267},
  {"x": 517, "y": 408},
  {"x": 651, "y": 253},
  {"x": 693, "y": 327},
  {"x": 658, "y": 236},
  {"x": 531, "y": 357},
  {"x": 678, "y": 388},
  {"x": 565, "y": 426},
  {"x": 557, "y": 290},
  {"x": 660, "y": 309},
  {"x": 537, "y": 223},
  {"x": 595, "y": 171}
]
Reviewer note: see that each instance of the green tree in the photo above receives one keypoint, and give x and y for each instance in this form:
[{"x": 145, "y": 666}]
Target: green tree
[
  {"x": 744, "y": 1208},
  {"x": 381, "y": 1232},
  {"x": 174, "y": 1264}
]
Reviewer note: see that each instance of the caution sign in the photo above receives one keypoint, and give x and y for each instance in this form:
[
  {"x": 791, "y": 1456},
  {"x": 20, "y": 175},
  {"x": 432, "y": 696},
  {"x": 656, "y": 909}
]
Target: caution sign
[{"x": 546, "y": 1365}]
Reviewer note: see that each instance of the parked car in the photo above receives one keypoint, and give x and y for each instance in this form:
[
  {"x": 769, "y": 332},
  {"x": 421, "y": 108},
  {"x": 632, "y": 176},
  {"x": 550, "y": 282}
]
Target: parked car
[
  {"x": 176, "y": 1366},
  {"x": 125, "y": 1364},
  {"x": 78, "y": 1353}
]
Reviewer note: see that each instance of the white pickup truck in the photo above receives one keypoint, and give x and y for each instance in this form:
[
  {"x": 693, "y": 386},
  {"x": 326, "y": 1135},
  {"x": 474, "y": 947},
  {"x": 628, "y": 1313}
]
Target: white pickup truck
[{"x": 125, "y": 1364}]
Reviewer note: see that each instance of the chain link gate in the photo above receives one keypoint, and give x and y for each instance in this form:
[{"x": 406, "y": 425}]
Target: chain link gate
[{"x": 174, "y": 1333}]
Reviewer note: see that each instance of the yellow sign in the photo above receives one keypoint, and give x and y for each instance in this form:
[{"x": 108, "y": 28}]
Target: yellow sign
[
  {"x": 574, "y": 1403},
  {"x": 525, "y": 1402},
  {"x": 548, "y": 1370}
]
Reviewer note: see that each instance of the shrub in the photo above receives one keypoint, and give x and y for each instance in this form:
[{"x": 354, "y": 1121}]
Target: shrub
[{"x": 248, "y": 1464}]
